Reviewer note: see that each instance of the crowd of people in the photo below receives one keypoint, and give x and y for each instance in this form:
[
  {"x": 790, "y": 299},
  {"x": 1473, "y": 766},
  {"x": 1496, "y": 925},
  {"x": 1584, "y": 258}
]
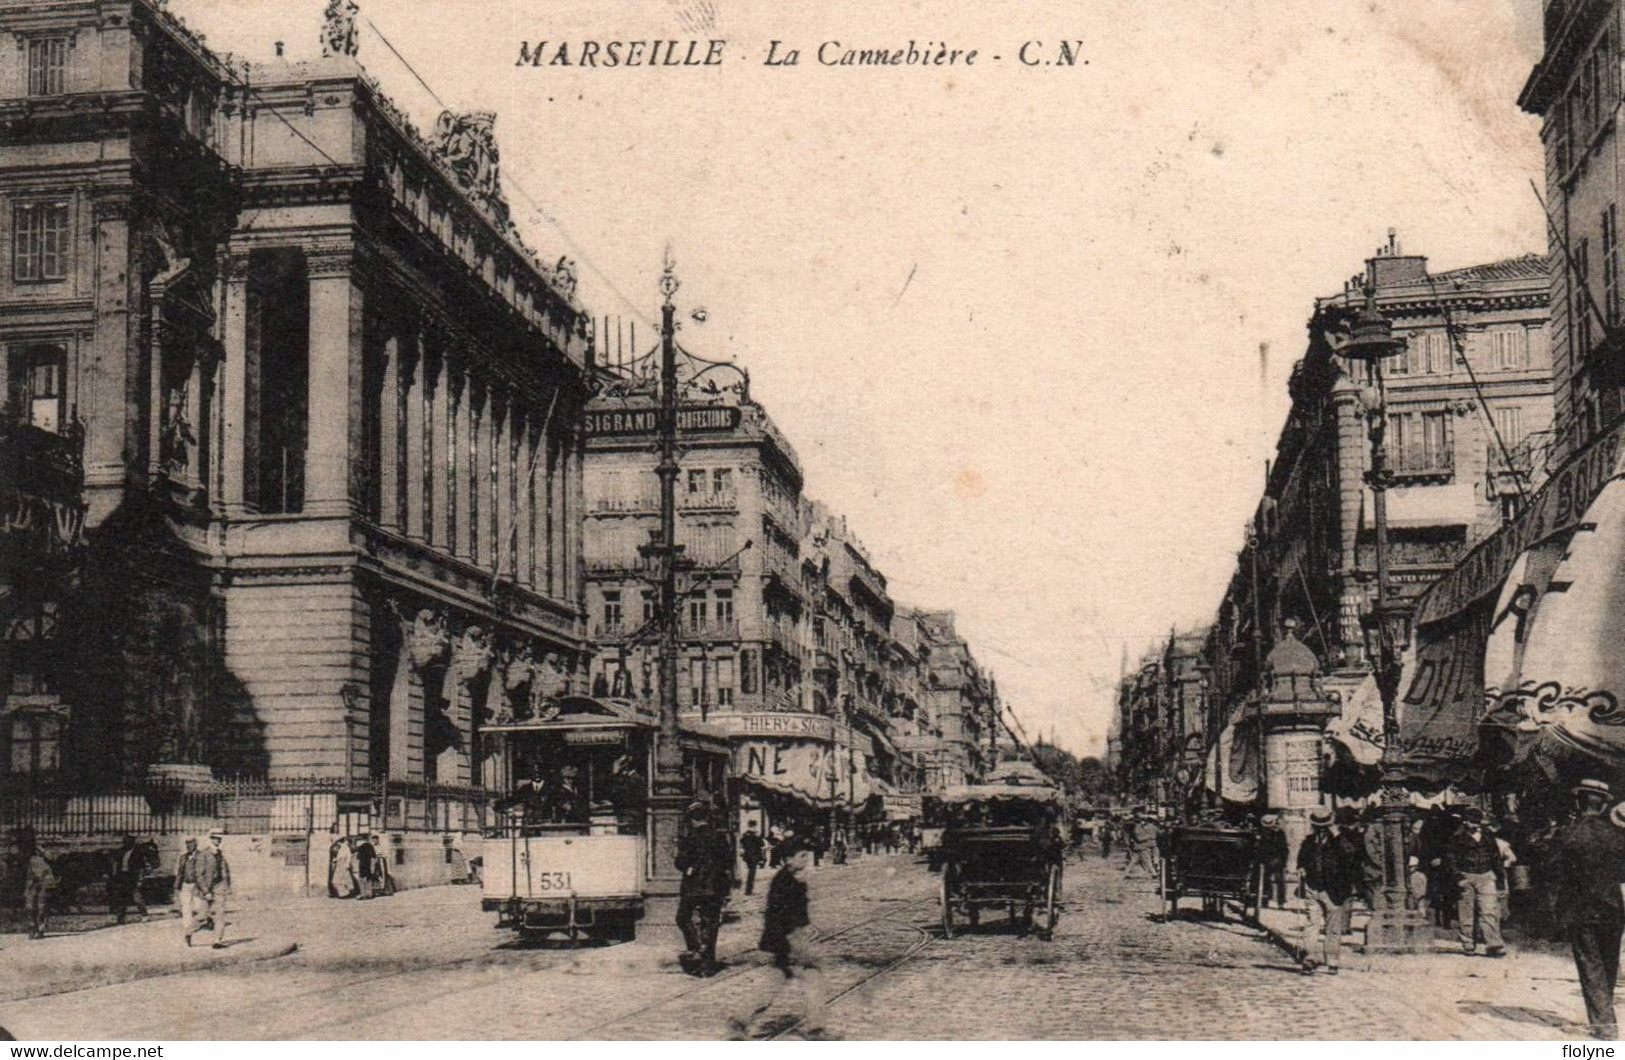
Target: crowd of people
[{"x": 1468, "y": 874}]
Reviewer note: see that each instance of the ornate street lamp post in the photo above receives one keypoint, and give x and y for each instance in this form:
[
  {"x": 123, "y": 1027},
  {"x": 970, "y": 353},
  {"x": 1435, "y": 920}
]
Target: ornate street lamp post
[{"x": 1396, "y": 924}]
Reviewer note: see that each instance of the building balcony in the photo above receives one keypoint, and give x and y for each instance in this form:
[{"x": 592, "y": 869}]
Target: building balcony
[
  {"x": 42, "y": 464},
  {"x": 710, "y": 629}
]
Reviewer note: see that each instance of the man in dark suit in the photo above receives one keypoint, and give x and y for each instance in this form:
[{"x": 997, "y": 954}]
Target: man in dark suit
[
  {"x": 1329, "y": 876},
  {"x": 705, "y": 858},
  {"x": 751, "y": 848},
  {"x": 1587, "y": 868},
  {"x": 366, "y": 857},
  {"x": 124, "y": 888}
]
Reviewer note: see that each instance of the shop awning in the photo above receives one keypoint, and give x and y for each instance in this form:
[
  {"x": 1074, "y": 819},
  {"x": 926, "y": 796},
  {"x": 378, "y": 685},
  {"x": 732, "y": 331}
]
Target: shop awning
[
  {"x": 1357, "y": 729},
  {"x": 1521, "y": 639},
  {"x": 1235, "y": 757}
]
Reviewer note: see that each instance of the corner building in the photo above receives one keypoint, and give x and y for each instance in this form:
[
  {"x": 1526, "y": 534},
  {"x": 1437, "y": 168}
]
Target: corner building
[{"x": 330, "y": 409}]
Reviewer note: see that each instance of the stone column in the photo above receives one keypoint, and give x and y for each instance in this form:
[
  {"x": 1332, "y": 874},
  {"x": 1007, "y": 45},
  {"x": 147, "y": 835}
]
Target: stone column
[
  {"x": 503, "y": 442},
  {"x": 234, "y": 387},
  {"x": 334, "y": 429},
  {"x": 110, "y": 411},
  {"x": 389, "y": 439},
  {"x": 431, "y": 369},
  {"x": 413, "y": 370},
  {"x": 476, "y": 431},
  {"x": 439, "y": 482},
  {"x": 456, "y": 508},
  {"x": 550, "y": 521},
  {"x": 482, "y": 483}
]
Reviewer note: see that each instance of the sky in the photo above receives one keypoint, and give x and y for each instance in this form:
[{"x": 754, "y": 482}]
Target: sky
[{"x": 1029, "y": 329}]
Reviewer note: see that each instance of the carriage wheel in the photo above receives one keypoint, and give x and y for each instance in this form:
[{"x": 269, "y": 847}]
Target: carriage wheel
[
  {"x": 947, "y": 907},
  {"x": 1052, "y": 905}
]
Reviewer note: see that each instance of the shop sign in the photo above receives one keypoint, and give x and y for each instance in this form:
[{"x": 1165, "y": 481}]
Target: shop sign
[
  {"x": 595, "y": 737},
  {"x": 799, "y": 769},
  {"x": 1560, "y": 505},
  {"x": 610, "y": 423},
  {"x": 776, "y": 723}
]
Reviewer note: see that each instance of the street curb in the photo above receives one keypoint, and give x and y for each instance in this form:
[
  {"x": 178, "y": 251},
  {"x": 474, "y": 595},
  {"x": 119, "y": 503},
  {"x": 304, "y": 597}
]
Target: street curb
[{"x": 45, "y": 979}]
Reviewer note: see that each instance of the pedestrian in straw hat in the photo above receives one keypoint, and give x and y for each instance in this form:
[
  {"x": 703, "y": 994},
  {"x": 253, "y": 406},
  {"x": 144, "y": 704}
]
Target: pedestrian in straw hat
[
  {"x": 1588, "y": 866},
  {"x": 1328, "y": 876}
]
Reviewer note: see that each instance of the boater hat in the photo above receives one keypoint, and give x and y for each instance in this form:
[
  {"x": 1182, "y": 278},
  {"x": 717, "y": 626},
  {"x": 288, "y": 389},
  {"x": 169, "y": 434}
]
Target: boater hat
[
  {"x": 1592, "y": 787},
  {"x": 1616, "y": 816},
  {"x": 1320, "y": 817}
]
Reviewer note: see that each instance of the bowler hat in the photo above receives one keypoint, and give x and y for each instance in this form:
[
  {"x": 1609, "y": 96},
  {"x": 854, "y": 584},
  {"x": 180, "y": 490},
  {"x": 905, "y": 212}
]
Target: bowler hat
[
  {"x": 1320, "y": 817},
  {"x": 1270, "y": 820},
  {"x": 1473, "y": 814},
  {"x": 1590, "y": 786}
]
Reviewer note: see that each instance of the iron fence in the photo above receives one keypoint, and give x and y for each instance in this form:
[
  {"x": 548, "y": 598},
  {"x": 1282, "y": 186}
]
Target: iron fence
[{"x": 244, "y": 806}]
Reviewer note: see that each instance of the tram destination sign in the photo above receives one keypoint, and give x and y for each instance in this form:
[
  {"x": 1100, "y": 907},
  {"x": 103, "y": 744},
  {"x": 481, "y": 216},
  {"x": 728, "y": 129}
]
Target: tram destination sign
[{"x": 696, "y": 419}]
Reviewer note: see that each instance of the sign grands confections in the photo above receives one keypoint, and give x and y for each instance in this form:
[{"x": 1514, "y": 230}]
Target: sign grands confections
[{"x": 697, "y": 418}]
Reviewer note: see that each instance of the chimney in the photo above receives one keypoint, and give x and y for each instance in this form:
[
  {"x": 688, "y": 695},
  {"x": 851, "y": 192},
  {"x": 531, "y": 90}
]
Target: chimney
[
  {"x": 1388, "y": 267},
  {"x": 279, "y": 49}
]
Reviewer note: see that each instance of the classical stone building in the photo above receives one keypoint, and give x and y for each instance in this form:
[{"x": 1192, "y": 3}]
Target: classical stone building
[
  {"x": 1469, "y": 413},
  {"x": 961, "y": 699},
  {"x": 331, "y": 408}
]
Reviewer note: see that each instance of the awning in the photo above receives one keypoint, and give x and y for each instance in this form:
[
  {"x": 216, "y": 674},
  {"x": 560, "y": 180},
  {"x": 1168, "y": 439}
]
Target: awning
[
  {"x": 1410, "y": 507},
  {"x": 1521, "y": 640},
  {"x": 1236, "y": 755},
  {"x": 1357, "y": 729}
]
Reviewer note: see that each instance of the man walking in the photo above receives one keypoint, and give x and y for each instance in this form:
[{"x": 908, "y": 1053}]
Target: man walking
[
  {"x": 1140, "y": 840},
  {"x": 1329, "y": 875},
  {"x": 186, "y": 877},
  {"x": 213, "y": 884},
  {"x": 787, "y": 935},
  {"x": 1273, "y": 855},
  {"x": 1477, "y": 862},
  {"x": 750, "y": 851},
  {"x": 1587, "y": 869},
  {"x": 39, "y": 881},
  {"x": 705, "y": 858},
  {"x": 129, "y": 866}
]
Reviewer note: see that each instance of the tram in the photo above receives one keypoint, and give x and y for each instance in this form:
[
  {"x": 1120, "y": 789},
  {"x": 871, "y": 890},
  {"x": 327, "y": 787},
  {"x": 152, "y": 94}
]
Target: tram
[{"x": 569, "y": 855}]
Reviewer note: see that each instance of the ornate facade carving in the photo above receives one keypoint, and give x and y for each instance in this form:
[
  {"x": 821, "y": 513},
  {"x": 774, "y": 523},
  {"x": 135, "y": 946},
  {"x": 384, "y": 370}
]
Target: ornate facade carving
[
  {"x": 466, "y": 145},
  {"x": 339, "y": 29}
]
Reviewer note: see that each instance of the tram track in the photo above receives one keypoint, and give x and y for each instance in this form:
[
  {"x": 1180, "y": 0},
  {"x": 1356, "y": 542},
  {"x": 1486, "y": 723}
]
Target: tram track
[
  {"x": 743, "y": 968},
  {"x": 761, "y": 961}
]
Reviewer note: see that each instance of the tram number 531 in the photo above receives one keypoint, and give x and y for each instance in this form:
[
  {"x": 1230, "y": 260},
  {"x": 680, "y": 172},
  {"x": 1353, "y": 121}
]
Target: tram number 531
[{"x": 552, "y": 881}]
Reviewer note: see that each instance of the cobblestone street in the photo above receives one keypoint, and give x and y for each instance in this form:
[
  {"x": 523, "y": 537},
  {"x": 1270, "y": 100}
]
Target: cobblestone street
[{"x": 427, "y": 964}]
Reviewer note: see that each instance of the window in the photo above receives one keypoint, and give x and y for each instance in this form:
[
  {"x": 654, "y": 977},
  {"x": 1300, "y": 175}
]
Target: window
[
  {"x": 36, "y": 392},
  {"x": 1610, "y": 264},
  {"x": 1509, "y": 425},
  {"x": 1510, "y": 506},
  {"x": 725, "y": 606},
  {"x": 612, "y": 610},
  {"x": 1580, "y": 311},
  {"x": 35, "y": 741},
  {"x": 1509, "y": 349},
  {"x": 648, "y": 605},
  {"x": 722, "y": 480},
  {"x": 47, "y": 66},
  {"x": 696, "y": 612},
  {"x": 725, "y": 682},
  {"x": 696, "y": 482},
  {"x": 1436, "y": 353},
  {"x": 39, "y": 247},
  {"x": 1419, "y": 443},
  {"x": 696, "y": 681}
]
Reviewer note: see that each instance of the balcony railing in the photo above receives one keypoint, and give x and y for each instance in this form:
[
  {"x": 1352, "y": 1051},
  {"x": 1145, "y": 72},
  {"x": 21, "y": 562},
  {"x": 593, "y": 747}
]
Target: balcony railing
[
  {"x": 711, "y": 628},
  {"x": 42, "y": 463}
]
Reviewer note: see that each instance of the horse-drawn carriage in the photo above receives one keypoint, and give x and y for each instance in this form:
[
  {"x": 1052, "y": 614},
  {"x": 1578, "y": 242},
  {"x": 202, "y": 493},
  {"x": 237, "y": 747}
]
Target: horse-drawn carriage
[
  {"x": 1213, "y": 863},
  {"x": 1002, "y": 848}
]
